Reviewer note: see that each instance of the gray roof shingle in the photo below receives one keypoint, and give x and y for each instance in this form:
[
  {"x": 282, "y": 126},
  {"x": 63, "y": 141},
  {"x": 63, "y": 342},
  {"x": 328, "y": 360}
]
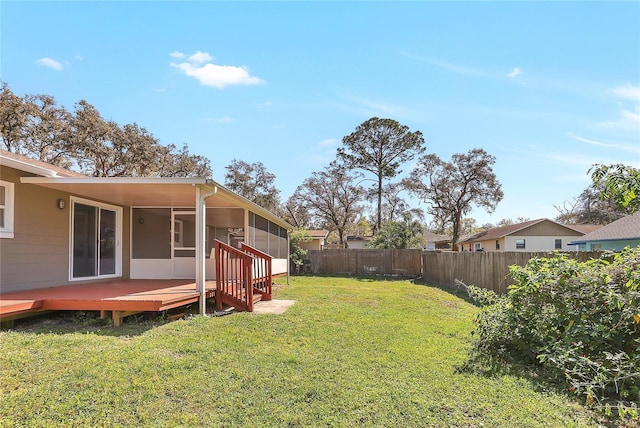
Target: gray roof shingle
[{"x": 625, "y": 228}]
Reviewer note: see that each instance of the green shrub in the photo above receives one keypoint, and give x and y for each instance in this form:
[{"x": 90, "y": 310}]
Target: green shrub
[{"x": 576, "y": 322}]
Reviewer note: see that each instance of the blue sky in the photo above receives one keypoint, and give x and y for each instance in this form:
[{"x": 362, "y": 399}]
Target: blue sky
[{"x": 548, "y": 88}]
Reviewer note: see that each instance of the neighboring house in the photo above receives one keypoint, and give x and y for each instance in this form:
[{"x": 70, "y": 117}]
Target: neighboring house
[
  {"x": 318, "y": 240},
  {"x": 624, "y": 232},
  {"x": 436, "y": 242},
  {"x": 61, "y": 228},
  {"x": 358, "y": 242},
  {"x": 535, "y": 235}
]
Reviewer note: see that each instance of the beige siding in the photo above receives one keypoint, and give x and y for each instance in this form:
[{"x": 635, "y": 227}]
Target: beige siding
[
  {"x": 541, "y": 243},
  {"x": 489, "y": 245},
  {"x": 314, "y": 244},
  {"x": 38, "y": 255},
  {"x": 546, "y": 228}
]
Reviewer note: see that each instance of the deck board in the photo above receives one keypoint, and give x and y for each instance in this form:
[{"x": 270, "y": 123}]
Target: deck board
[{"x": 114, "y": 295}]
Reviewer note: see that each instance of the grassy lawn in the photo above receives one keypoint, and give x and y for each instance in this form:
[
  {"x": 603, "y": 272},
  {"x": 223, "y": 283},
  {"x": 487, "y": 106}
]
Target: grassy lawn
[{"x": 350, "y": 352}]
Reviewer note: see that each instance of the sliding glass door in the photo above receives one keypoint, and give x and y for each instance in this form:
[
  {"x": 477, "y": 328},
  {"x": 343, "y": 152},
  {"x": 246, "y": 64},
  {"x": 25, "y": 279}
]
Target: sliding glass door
[{"x": 95, "y": 240}]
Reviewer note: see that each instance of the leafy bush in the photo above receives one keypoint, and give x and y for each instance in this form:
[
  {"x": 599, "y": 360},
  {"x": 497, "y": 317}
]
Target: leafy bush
[
  {"x": 577, "y": 322},
  {"x": 296, "y": 238}
]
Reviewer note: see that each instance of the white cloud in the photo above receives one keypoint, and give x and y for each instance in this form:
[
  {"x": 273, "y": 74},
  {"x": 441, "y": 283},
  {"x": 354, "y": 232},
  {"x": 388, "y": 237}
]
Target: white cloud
[
  {"x": 200, "y": 68},
  {"x": 369, "y": 107},
  {"x": 455, "y": 68},
  {"x": 199, "y": 58},
  {"x": 592, "y": 142},
  {"x": 628, "y": 92},
  {"x": 515, "y": 72},
  {"x": 627, "y": 120},
  {"x": 177, "y": 54},
  {"x": 51, "y": 63}
]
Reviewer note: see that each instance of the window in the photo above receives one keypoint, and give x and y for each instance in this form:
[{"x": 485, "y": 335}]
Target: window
[
  {"x": 520, "y": 244},
  {"x": 6, "y": 209},
  {"x": 178, "y": 227},
  {"x": 497, "y": 244},
  {"x": 477, "y": 246},
  {"x": 558, "y": 245}
]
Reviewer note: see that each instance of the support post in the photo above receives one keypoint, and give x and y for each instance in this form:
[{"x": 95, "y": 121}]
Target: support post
[
  {"x": 288, "y": 259},
  {"x": 201, "y": 213}
]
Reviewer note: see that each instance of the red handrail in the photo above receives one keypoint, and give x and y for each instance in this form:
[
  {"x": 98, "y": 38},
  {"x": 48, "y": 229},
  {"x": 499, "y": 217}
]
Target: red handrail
[
  {"x": 262, "y": 274},
  {"x": 239, "y": 273}
]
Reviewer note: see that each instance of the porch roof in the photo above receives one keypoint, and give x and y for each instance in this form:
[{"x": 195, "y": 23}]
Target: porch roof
[{"x": 152, "y": 192}]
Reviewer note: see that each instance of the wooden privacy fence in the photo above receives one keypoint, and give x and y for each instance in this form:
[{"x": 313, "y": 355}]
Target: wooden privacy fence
[
  {"x": 407, "y": 263},
  {"x": 488, "y": 270}
]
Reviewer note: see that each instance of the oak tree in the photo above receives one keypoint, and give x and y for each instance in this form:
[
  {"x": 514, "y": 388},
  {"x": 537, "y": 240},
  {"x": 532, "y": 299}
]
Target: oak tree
[
  {"x": 451, "y": 188},
  {"x": 36, "y": 127},
  {"x": 332, "y": 198},
  {"x": 253, "y": 182}
]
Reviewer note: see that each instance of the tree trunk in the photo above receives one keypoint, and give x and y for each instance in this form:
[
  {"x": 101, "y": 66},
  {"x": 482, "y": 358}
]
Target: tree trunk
[
  {"x": 379, "y": 222},
  {"x": 456, "y": 232}
]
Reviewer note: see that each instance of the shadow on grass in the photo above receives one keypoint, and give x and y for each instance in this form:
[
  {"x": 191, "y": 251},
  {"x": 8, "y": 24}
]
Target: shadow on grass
[
  {"x": 459, "y": 292},
  {"x": 360, "y": 278},
  {"x": 89, "y": 322},
  {"x": 541, "y": 382}
]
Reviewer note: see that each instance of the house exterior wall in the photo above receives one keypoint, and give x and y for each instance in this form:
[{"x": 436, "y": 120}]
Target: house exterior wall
[
  {"x": 488, "y": 245},
  {"x": 38, "y": 254},
  {"x": 358, "y": 245},
  {"x": 617, "y": 245},
  {"x": 549, "y": 229},
  {"x": 313, "y": 245},
  {"x": 540, "y": 243}
]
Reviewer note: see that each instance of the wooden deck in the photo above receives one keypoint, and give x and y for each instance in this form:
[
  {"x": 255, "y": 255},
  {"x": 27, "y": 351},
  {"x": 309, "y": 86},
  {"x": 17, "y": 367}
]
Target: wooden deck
[{"x": 121, "y": 297}]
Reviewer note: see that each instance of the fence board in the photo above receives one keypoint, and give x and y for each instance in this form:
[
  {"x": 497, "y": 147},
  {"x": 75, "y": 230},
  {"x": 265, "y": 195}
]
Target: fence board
[
  {"x": 407, "y": 263},
  {"x": 488, "y": 270}
]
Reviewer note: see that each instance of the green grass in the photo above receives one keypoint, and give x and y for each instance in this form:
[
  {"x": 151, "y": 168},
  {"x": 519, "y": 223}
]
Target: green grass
[{"x": 350, "y": 352}]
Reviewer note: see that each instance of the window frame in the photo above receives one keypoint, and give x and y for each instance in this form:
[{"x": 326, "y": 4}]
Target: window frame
[
  {"x": 557, "y": 244},
  {"x": 521, "y": 244},
  {"x": 7, "y": 231}
]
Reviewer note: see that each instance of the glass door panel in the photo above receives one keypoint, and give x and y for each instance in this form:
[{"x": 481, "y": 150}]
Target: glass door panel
[
  {"x": 94, "y": 241},
  {"x": 85, "y": 254},
  {"x": 107, "y": 240}
]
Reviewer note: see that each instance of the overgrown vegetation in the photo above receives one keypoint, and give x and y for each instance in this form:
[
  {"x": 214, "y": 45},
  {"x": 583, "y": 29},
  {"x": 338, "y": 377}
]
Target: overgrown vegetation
[
  {"x": 296, "y": 238},
  {"x": 351, "y": 352},
  {"x": 577, "y": 323}
]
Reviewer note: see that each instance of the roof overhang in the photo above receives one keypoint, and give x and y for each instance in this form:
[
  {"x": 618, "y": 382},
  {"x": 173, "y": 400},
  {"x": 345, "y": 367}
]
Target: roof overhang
[
  {"x": 29, "y": 167},
  {"x": 152, "y": 192},
  {"x": 595, "y": 241}
]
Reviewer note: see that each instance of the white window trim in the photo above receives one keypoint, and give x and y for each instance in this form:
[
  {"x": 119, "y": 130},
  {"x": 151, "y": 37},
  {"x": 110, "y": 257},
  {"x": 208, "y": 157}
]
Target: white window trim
[
  {"x": 118, "y": 211},
  {"x": 9, "y": 205},
  {"x": 178, "y": 233}
]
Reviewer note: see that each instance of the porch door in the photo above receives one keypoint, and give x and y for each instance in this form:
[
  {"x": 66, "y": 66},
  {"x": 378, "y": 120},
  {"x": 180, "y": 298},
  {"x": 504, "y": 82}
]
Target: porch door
[
  {"x": 95, "y": 241},
  {"x": 183, "y": 229}
]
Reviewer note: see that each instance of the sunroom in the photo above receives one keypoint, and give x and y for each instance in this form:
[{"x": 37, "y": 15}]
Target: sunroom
[{"x": 161, "y": 228}]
